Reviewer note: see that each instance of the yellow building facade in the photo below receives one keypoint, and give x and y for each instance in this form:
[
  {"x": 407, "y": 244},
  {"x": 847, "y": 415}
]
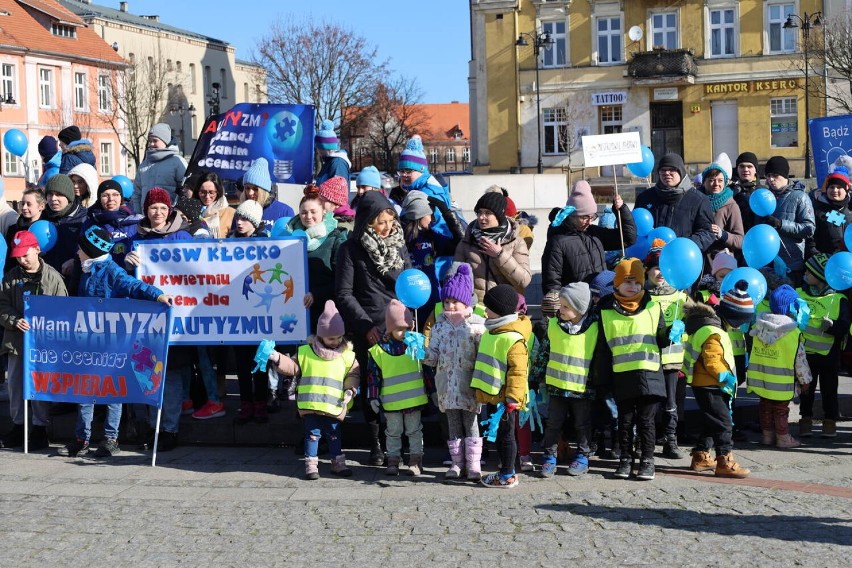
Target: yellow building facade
[{"x": 696, "y": 77}]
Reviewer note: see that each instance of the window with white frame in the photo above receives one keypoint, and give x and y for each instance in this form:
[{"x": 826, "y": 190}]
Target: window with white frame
[
  {"x": 192, "y": 81},
  {"x": 104, "y": 93},
  {"x": 784, "y": 122},
  {"x": 722, "y": 24},
  {"x": 556, "y": 54},
  {"x": 555, "y": 130},
  {"x": 664, "y": 30},
  {"x": 7, "y": 77},
  {"x": 246, "y": 92},
  {"x": 10, "y": 164},
  {"x": 781, "y": 40},
  {"x": 106, "y": 158},
  {"x": 451, "y": 154},
  {"x": 466, "y": 154},
  {"x": 433, "y": 155},
  {"x": 611, "y": 119},
  {"x": 79, "y": 91},
  {"x": 609, "y": 39},
  {"x": 45, "y": 87}
]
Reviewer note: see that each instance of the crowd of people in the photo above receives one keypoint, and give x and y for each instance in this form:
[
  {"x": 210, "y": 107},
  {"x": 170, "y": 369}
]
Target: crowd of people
[{"x": 605, "y": 368}]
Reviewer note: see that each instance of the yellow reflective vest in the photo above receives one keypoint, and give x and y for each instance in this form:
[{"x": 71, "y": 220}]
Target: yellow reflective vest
[
  {"x": 671, "y": 305},
  {"x": 696, "y": 343},
  {"x": 570, "y": 357},
  {"x": 402, "y": 380},
  {"x": 321, "y": 385},
  {"x": 633, "y": 339},
  {"x": 492, "y": 361},
  {"x": 771, "y": 368},
  {"x": 816, "y": 340}
]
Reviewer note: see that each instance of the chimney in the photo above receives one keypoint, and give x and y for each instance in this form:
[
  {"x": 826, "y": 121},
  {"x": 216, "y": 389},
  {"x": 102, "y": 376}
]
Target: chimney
[
  {"x": 122, "y": 6},
  {"x": 153, "y": 18}
]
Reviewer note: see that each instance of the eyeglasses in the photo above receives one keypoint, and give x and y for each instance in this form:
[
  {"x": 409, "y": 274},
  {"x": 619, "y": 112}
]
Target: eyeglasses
[
  {"x": 405, "y": 172},
  {"x": 588, "y": 218},
  {"x": 207, "y": 192},
  {"x": 668, "y": 170}
]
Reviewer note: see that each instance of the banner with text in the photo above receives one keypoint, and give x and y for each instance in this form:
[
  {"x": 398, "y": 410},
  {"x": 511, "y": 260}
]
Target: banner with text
[
  {"x": 95, "y": 350},
  {"x": 283, "y": 134},
  {"x": 831, "y": 138},
  {"x": 612, "y": 149},
  {"x": 235, "y": 291}
]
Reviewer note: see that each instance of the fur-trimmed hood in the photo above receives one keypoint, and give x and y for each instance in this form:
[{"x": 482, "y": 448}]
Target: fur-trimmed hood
[
  {"x": 697, "y": 315},
  {"x": 770, "y": 327}
]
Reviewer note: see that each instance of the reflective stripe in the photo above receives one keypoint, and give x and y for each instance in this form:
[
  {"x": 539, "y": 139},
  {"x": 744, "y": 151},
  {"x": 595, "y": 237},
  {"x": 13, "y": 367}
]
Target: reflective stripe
[
  {"x": 633, "y": 340},
  {"x": 771, "y": 367},
  {"x": 567, "y": 377},
  {"x": 320, "y": 387},
  {"x": 319, "y": 381},
  {"x": 570, "y": 356},
  {"x": 492, "y": 361},
  {"x": 402, "y": 380},
  {"x": 768, "y": 369},
  {"x": 635, "y": 356},
  {"x": 695, "y": 346},
  {"x": 484, "y": 377},
  {"x": 569, "y": 360},
  {"x": 828, "y": 306},
  {"x": 779, "y": 387},
  {"x": 321, "y": 398}
]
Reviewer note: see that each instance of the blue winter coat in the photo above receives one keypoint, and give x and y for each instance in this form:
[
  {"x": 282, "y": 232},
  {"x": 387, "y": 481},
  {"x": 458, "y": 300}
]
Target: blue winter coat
[
  {"x": 795, "y": 210},
  {"x": 430, "y": 186},
  {"x": 77, "y": 152},
  {"x": 51, "y": 168},
  {"x": 332, "y": 166},
  {"x": 121, "y": 225},
  {"x": 106, "y": 279}
]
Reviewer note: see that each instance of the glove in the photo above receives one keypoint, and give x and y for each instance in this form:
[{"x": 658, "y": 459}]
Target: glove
[
  {"x": 801, "y": 312},
  {"x": 728, "y": 382},
  {"x": 434, "y": 398},
  {"x": 826, "y": 324},
  {"x": 261, "y": 356},
  {"x": 375, "y": 405},
  {"x": 773, "y": 222},
  {"x": 415, "y": 345},
  {"x": 511, "y": 405},
  {"x": 676, "y": 332}
]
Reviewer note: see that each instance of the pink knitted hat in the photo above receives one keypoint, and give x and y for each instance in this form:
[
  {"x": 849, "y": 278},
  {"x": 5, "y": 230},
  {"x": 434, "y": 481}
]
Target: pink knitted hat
[
  {"x": 330, "y": 324},
  {"x": 397, "y": 316},
  {"x": 335, "y": 190},
  {"x": 581, "y": 199}
]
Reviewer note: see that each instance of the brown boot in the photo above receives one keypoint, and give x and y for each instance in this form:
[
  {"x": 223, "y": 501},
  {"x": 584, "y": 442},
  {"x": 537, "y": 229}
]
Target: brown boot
[
  {"x": 701, "y": 461},
  {"x": 768, "y": 438},
  {"x": 415, "y": 465},
  {"x": 727, "y": 467},
  {"x": 829, "y": 429},
  {"x": 806, "y": 427},
  {"x": 393, "y": 466},
  {"x": 339, "y": 467}
]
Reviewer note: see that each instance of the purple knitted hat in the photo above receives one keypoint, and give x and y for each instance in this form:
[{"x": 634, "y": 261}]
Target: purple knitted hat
[{"x": 459, "y": 286}]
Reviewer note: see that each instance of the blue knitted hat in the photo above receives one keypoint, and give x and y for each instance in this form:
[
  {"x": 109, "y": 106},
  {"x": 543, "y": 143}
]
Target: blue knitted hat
[
  {"x": 607, "y": 219},
  {"x": 781, "y": 299},
  {"x": 601, "y": 285},
  {"x": 326, "y": 139},
  {"x": 370, "y": 177},
  {"x": 258, "y": 174},
  {"x": 413, "y": 157}
]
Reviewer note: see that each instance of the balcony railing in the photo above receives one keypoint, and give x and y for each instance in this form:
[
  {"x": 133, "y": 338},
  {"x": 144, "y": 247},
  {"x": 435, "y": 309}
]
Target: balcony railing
[{"x": 663, "y": 66}]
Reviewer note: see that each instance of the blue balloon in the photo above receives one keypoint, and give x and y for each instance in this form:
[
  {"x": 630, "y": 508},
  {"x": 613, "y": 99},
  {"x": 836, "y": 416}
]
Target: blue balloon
[
  {"x": 756, "y": 282},
  {"x": 126, "y": 185},
  {"x": 639, "y": 249},
  {"x": 3, "y": 249},
  {"x": 45, "y": 233},
  {"x": 15, "y": 142},
  {"x": 762, "y": 202},
  {"x": 662, "y": 232},
  {"x": 761, "y": 245},
  {"x": 644, "y": 221},
  {"x": 681, "y": 263},
  {"x": 838, "y": 271},
  {"x": 299, "y": 233},
  {"x": 847, "y": 237},
  {"x": 413, "y": 288},
  {"x": 645, "y": 167},
  {"x": 280, "y": 228}
]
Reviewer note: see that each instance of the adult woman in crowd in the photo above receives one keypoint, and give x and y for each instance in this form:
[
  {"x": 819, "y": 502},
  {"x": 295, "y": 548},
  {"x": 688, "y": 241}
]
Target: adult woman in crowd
[
  {"x": 161, "y": 221},
  {"x": 218, "y": 214},
  {"x": 85, "y": 179},
  {"x": 492, "y": 248},
  {"x": 575, "y": 249},
  {"x": 368, "y": 264},
  {"x": 109, "y": 213},
  {"x": 727, "y": 224}
]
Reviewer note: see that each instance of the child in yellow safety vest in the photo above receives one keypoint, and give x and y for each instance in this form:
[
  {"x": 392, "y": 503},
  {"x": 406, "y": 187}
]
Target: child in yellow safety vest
[
  {"x": 328, "y": 376},
  {"x": 634, "y": 332},
  {"x": 710, "y": 369},
  {"x": 824, "y": 337},
  {"x": 671, "y": 356},
  {"x": 776, "y": 363},
  {"x": 395, "y": 384},
  {"x": 500, "y": 374}
]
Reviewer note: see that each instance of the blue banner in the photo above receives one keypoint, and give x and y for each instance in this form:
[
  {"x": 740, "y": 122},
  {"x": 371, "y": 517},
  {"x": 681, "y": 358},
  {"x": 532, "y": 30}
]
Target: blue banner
[
  {"x": 283, "y": 134},
  {"x": 831, "y": 137},
  {"x": 95, "y": 350}
]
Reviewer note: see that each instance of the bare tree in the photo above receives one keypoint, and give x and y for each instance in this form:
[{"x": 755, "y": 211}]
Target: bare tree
[
  {"x": 319, "y": 63},
  {"x": 830, "y": 62}
]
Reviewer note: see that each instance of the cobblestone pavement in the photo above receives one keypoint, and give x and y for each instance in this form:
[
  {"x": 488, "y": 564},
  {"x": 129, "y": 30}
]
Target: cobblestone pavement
[{"x": 249, "y": 506}]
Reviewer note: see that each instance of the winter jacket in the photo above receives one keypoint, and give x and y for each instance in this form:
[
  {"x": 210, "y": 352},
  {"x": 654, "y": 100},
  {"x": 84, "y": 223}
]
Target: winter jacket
[
  {"x": 8, "y": 216},
  {"x": 796, "y": 213},
  {"x": 742, "y": 194},
  {"x": 77, "y": 152},
  {"x": 362, "y": 293},
  {"x": 16, "y": 283},
  {"x": 68, "y": 229},
  {"x": 219, "y": 216},
  {"x": 335, "y": 164},
  {"x": 769, "y": 328},
  {"x": 828, "y": 235},
  {"x": 106, "y": 279},
  {"x": 452, "y": 351},
  {"x": 435, "y": 191},
  {"x": 711, "y": 363},
  {"x": 515, "y": 386},
  {"x": 175, "y": 229},
  {"x": 728, "y": 218},
  {"x": 511, "y": 266},
  {"x": 688, "y": 214},
  {"x": 120, "y": 224},
  {"x": 578, "y": 256},
  {"x": 631, "y": 384},
  {"x": 162, "y": 167},
  {"x": 51, "y": 168}
]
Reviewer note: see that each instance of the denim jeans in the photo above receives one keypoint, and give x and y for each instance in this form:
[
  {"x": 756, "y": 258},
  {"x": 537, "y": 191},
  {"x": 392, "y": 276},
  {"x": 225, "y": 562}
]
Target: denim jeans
[
  {"x": 83, "y": 430},
  {"x": 208, "y": 374},
  {"x": 172, "y": 399},
  {"x": 15, "y": 382},
  {"x": 315, "y": 426},
  {"x": 410, "y": 422}
]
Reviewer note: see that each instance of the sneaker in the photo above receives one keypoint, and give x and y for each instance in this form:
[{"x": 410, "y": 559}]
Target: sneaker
[
  {"x": 496, "y": 481},
  {"x": 671, "y": 451},
  {"x": 75, "y": 448},
  {"x": 107, "y": 448},
  {"x": 527, "y": 463},
  {"x": 625, "y": 465},
  {"x": 210, "y": 410},
  {"x": 187, "y": 407},
  {"x": 579, "y": 466},
  {"x": 548, "y": 469},
  {"x": 646, "y": 470}
]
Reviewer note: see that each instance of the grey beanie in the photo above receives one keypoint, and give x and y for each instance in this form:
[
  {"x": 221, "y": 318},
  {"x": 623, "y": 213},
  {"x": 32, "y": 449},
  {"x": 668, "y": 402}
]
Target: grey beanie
[
  {"x": 162, "y": 131},
  {"x": 577, "y": 294},
  {"x": 415, "y": 205}
]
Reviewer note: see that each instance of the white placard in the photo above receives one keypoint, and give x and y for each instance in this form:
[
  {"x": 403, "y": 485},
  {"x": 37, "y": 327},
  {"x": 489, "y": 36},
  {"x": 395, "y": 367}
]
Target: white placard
[
  {"x": 612, "y": 149},
  {"x": 666, "y": 94}
]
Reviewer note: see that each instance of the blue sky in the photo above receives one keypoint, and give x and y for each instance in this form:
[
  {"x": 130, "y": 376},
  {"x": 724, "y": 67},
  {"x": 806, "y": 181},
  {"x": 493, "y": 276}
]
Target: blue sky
[{"x": 429, "y": 40}]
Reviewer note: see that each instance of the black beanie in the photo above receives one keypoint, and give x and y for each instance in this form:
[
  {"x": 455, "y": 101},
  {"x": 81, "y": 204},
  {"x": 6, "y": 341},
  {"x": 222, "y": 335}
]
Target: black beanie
[
  {"x": 495, "y": 202},
  {"x": 95, "y": 242},
  {"x": 190, "y": 207},
  {"x": 70, "y": 134},
  {"x": 747, "y": 158},
  {"x": 672, "y": 160},
  {"x": 109, "y": 184},
  {"x": 502, "y": 299},
  {"x": 777, "y": 165}
]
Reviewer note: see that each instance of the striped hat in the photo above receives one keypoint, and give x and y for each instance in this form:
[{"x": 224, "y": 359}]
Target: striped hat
[
  {"x": 653, "y": 258},
  {"x": 550, "y": 304},
  {"x": 413, "y": 157},
  {"x": 736, "y": 306},
  {"x": 816, "y": 265},
  {"x": 326, "y": 139}
]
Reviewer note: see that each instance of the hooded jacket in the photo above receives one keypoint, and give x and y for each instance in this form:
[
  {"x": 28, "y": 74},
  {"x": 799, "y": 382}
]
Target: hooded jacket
[
  {"x": 51, "y": 168},
  {"x": 796, "y": 213},
  {"x": 769, "y": 328},
  {"x": 828, "y": 235},
  {"x": 515, "y": 386},
  {"x": 68, "y": 229},
  {"x": 77, "y": 152},
  {"x": 335, "y": 164},
  {"x": 687, "y": 214},
  {"x": 362, "y": 292},
  {"x": 16, "y": 283},
  {"x": 511, "y": 266},
  {"x": 578, "y": 256},
  {"x": 711, "y": 363},
  {"x": 162, "y": 167}
]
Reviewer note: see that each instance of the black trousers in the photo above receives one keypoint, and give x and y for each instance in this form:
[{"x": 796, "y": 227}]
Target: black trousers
[
  {"x": 558, "y": 410},
  {"x": 641, "y": 411},
  {"x": 254, "y": 387},
  {"x": 716, "y": 420},
  {"x": 507, "y": 447},
  {"x": 824, "y": 372}
]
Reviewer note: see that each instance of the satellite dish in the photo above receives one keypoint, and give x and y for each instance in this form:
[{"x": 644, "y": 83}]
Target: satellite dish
[{"x": 635, "y": 33}]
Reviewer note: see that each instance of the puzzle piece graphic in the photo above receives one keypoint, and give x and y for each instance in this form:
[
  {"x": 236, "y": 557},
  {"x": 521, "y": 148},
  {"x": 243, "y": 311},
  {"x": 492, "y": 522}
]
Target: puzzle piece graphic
[
  {"x": 285, "y": 128},
  {"x": 835, "y": 218},
  {"x": 143, "y": 358},
  {"x": 288, "y": 323}
]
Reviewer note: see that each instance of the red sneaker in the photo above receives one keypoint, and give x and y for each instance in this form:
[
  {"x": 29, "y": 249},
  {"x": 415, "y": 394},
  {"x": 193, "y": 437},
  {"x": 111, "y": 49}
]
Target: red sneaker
[
  {"x": 187, "y": 407},
  {"x": 209, "y": 410}
]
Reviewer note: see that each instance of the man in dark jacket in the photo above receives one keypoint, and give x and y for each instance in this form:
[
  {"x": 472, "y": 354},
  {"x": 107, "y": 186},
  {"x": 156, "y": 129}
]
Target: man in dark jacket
[
  {"x": 745, "y": 183},
  {"x": 575, "y": 249},
  {"x": 674, "y": 203}
]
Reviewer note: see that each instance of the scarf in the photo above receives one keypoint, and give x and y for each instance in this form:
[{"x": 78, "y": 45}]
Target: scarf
[
  {"x": 87, "y": 264},
  {"x": 719, "y": 199},
  {"x": 317, "y": 233},
  {"x": 384, "y": 252},
  {"x": 457, "y": 318},
  {"x": 499, "y": 234},
  {"x": 814, "y": 291},
  {"x": 837, "y": 205},
  {"x": 631, "y": 303},
  {"x": 210, "y": 215},
  {"x": 491, "y": 324},
  {"x": 670, "y": 194}
]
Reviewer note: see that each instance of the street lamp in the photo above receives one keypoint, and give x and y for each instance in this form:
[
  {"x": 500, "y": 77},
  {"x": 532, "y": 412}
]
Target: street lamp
[
  {"x": 213, "y": 99},
  {"x": 539, "y": 41},
  {"x": 181, "y": 110},
  {"x": 808, "y": 22}
]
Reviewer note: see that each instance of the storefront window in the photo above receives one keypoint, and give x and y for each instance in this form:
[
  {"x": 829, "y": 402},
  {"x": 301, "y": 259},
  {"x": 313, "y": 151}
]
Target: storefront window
[
  {"x": 611, "y": 119},
  {"x": 784, "y": 121}
]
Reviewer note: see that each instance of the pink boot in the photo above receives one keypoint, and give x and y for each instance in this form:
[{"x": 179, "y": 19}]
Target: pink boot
[
  {"x": 473, "y": 453},
  {"x": 457, "y": 456}
]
